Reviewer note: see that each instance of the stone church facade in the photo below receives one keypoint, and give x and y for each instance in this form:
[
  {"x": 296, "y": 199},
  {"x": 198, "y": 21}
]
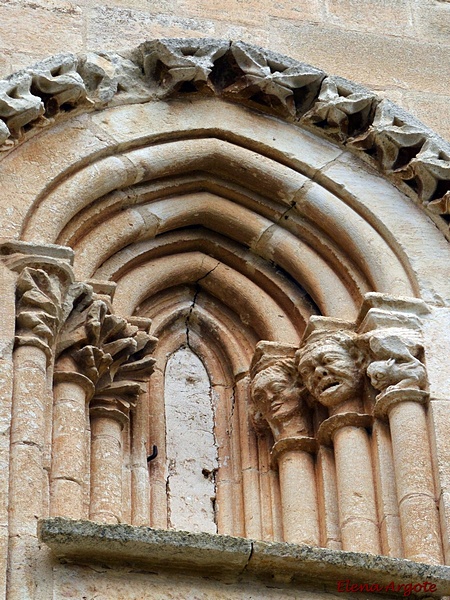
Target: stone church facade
[{"x": 225, "y": 309}]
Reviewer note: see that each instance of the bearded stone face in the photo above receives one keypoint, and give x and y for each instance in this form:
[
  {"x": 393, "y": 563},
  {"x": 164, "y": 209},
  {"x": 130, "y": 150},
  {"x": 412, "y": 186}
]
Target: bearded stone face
[{"x": 330, "y": 372}]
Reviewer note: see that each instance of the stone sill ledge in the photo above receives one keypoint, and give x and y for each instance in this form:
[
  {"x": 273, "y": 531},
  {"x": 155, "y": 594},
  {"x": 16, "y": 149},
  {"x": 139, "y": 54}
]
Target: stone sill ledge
[{"x": 226, "y": 557}]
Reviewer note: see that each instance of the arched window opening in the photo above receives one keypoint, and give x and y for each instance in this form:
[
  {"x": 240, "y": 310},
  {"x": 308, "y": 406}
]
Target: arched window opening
[{"x": 191, "y": 447}]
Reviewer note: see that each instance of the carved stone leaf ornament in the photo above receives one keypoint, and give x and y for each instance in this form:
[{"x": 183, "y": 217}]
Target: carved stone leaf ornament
[
  {"x": 38, "y": 308},
  {"x": 18, "y": 106},
  {"x": 58, "y": 83},
  {"x": 284, "y": 85},
  {"x": 107, "y": 349},
  {"x": 170, "y": 63},
  {"x": 431, "y": 170},
  {"x": 395, "y": 140},
  {"x": 405, "y": 150},
  {"x": 342, "y": 107},
  {"x": 107, "y": 75}
]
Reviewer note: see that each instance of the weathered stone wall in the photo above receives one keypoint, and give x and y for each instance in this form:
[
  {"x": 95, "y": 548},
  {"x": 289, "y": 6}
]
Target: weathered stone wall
[{"x": 399, "y": 48}]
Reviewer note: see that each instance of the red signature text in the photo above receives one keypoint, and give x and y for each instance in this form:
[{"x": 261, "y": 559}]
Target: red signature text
[{"x": 405, "y": 588}]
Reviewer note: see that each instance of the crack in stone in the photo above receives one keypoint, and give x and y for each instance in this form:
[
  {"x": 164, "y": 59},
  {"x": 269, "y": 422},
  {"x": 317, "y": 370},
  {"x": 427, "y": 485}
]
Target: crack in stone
[
  {"x": 233, "y": 406},
  {"x": 194, "y": 300},
  {"x": 252, "y": 548}
]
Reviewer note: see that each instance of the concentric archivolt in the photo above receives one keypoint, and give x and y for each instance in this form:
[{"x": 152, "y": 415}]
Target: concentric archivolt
[
  {"x": 399, "y": 146},
  {"x": 164, "y": 190}
]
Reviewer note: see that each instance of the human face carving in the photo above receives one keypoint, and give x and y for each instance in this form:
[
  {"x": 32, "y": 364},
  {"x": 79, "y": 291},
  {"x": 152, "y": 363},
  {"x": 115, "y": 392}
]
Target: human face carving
[
  {"x": 277, "y": 399},
  {"x": 330, "y": 373}
]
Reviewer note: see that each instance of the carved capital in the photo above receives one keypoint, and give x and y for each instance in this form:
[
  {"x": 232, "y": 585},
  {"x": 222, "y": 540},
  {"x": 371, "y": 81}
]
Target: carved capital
[
  {"x": 39, "y": 305},
  {"x": 276, "y": 391},
  {"x": 130, "y": 347},
  {"x": 390, "y": 328},
  {"x": 396, "y": 363},
  {"x": 330, "y": 362}
]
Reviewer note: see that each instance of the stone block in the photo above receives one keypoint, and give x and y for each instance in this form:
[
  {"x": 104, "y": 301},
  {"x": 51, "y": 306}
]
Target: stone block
[
  {"x": 106, "y": 25},
  {"x": 379, "y": 16},
  {"x": 248, "y": 13},
  {"x": 45, "y": 27},
  {"x": 432, "y": 21},
  {"x": 371, "y": 59}
]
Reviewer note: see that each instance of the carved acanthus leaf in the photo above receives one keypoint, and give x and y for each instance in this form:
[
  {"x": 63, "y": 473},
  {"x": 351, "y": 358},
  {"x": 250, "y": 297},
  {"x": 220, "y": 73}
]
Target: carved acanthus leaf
[
  {"x": 109, "y": 350},
  {"x": 342, "y": 108},
  {"x": 394, "y": 140},
  {"x": 107, "y": 74},
  {"x": 283, "y": 84},
  {"x": 396, "y": 364},
  {"x": 131, "y": 365},
  {"x": 38, "y": 314},
  {"x": 168, "y": 64}
]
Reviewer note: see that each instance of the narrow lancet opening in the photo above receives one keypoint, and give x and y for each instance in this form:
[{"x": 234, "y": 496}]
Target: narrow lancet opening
[{"x": 192, "y": 457}]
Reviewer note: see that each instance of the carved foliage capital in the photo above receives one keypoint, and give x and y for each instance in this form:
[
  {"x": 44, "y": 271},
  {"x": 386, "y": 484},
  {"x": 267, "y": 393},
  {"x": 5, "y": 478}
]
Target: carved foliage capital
[
  {"x": 39, "y": 306},
  {"x": 110, "y": 351}
]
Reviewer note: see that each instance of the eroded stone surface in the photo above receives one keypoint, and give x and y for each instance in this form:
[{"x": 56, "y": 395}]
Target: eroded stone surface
[
  {"x": 191, "y": 444},
  {"x": 224, "y": 556}
]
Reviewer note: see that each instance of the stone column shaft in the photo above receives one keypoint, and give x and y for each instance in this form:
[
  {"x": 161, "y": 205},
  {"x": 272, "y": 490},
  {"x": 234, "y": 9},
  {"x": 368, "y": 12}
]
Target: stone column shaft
[
  {"x": 106, "y": 466},
  {"x": 69, "y": 464},
  {"x": 356, "y": 490},
  {"x": 415, "y": 487},
  {"x": 26, "y": 466},
  {"x": 299, "y": 497},
  {"x": 140, "y": 488}
]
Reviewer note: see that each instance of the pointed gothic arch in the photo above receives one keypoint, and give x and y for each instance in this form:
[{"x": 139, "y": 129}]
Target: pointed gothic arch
[{"x": 228, "y": 195}]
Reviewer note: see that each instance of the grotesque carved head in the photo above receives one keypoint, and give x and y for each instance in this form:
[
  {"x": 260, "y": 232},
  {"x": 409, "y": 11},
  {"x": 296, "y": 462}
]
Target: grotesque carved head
[
  {"x": 275, "y": 390},
  {"x": 330, "y": 366},
  {"x": 276, "y": 393}
]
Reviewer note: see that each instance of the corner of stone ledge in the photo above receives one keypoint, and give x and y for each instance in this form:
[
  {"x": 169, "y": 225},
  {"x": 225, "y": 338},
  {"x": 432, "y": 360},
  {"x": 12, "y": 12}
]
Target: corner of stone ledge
[{"x": 307, "y": 564}]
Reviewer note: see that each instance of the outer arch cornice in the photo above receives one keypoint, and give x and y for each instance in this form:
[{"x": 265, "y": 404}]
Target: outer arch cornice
[{"x": 401, "y": 148}]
